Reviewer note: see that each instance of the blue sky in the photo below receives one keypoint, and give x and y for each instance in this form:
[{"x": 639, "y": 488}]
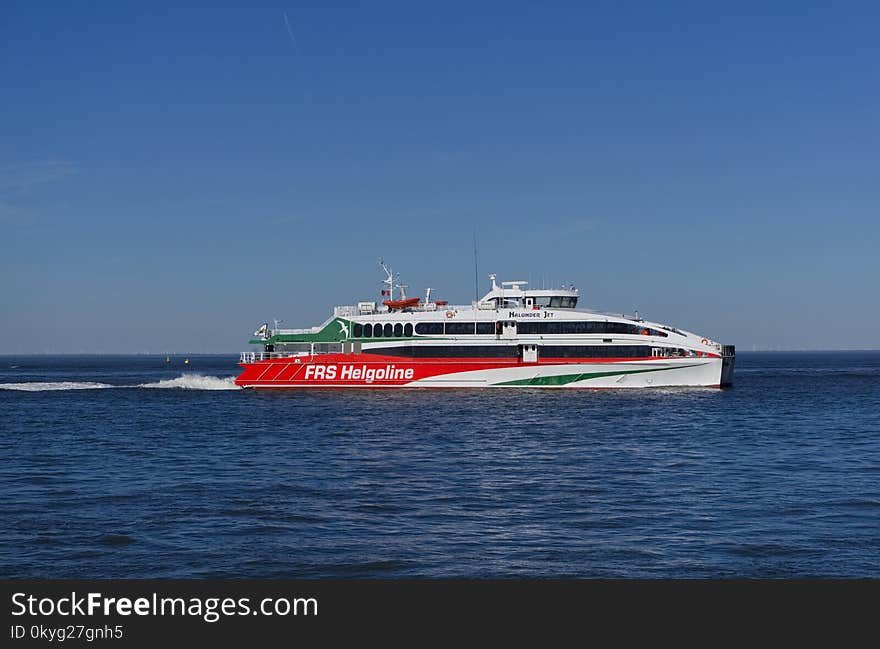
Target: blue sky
[{"x": 171, "y": 175}]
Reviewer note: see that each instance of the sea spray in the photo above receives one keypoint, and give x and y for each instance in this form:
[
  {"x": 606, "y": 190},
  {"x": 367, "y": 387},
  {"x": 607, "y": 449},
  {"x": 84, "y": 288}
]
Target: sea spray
[{"x": 195, "y": 382}]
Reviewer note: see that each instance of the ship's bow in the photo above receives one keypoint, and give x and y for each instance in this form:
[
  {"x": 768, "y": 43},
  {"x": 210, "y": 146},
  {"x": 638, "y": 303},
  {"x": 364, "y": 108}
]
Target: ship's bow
[{"x": 728, "y": 359}]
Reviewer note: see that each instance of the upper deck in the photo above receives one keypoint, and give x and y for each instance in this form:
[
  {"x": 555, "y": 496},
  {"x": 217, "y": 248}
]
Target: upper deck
[{"x": 508, "y": 314}]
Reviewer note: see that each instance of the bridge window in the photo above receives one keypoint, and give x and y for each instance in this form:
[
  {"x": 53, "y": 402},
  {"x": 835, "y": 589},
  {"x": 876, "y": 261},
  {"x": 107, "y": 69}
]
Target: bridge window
[
  {"x": 556, "y": 301},
  {"x": 563, "y": 302}
]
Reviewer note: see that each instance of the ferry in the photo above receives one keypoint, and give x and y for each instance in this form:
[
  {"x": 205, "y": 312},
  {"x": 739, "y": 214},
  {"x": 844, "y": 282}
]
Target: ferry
[{"x": 513, "y": 337}]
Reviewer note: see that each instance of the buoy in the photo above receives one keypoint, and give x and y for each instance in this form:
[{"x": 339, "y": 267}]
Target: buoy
[
  {"x": 167, "y": 359},
  {"x": 186, "y": 361}
]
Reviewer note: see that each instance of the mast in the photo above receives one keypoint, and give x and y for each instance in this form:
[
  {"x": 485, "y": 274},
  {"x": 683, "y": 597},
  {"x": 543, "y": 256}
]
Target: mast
[
  {"x": 389, "y": 280},
  {"x": 476, "y": 281}
]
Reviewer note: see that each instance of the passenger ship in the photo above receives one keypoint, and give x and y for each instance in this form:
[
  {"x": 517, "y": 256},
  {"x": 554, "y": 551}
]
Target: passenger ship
[{"x": 512, "y": 337}]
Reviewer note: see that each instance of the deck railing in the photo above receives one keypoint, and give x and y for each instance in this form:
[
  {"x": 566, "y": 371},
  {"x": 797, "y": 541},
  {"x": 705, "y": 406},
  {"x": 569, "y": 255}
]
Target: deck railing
[
  {"x": 313, "y": 349},
  {"x": 252, "y": 357}
]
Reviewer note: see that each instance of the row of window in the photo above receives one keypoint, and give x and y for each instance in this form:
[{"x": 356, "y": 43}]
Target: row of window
[
  {"x": 512, "y": 351},
  {"x": 671, "y": 352},
  {"x": 493, "y": 351},
  {"x": 587, "y": 327},
  {"x": 456, "y": 328},
  {"x": 448, "y": 351},
  {"x": 542, "y": 328},
  {"x": 422, "y": 328},
  {"x": 595, "y": 351},
  {"x": 387, "y": 330}
]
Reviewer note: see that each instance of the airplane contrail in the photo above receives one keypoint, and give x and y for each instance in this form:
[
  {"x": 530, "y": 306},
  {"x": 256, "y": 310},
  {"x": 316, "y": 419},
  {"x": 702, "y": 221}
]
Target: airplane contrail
[{"x": 289, "y": 31}]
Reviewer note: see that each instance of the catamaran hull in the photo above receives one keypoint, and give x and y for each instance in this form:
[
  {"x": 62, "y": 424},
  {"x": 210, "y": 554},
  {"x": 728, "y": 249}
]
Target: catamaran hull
[{"x": 352, "y": 371}]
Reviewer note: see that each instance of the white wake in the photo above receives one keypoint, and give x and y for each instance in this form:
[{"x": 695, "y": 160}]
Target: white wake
[
  {"x": 195, "y": 382},
  {"x": 182, "y": 382},
  {"x": 61, "y": 385}
]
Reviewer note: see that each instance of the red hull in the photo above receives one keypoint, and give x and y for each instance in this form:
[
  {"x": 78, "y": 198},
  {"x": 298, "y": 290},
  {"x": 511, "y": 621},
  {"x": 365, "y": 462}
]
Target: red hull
[
  {"x": 373, "y": 370},
  {"x": 355, "y": 370}
]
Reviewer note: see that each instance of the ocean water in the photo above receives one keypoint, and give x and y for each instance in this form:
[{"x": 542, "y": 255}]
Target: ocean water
[{"x": 128, "y": 467}]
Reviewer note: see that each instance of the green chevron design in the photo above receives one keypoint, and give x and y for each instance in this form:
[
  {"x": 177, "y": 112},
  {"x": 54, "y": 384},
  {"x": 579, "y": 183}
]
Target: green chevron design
[
  {"x": 565, "y": 379},
  {"x": 337, "y": 330}
]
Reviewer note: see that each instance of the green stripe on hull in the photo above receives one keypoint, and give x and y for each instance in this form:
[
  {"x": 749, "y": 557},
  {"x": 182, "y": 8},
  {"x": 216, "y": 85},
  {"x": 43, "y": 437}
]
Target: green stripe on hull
[
  {"x": 336, "y": 331},
  {"x": 565, "y": 379}
]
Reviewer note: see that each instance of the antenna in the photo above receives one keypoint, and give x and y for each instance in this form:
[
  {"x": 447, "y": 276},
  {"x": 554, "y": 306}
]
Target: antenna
[{"x": 476, "y": 281}]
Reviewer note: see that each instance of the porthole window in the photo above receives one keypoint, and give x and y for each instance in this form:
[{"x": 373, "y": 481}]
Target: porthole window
[
  {"x": 357, "y": 330},
  {"x": 377, "y": 330},
  {"x": 389, "y": 330},
  {"x": 408, "y": 330},
  {"x": 368, "y": 330},
  {"x": 398, "y": 330}
]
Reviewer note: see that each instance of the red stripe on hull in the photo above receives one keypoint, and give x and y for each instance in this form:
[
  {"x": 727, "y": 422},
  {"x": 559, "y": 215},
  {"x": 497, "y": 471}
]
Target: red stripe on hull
[
  {"x": 288, "y": 374},
  {"x": 365, "y": 370},
  {"x": 373, "y": 370}
]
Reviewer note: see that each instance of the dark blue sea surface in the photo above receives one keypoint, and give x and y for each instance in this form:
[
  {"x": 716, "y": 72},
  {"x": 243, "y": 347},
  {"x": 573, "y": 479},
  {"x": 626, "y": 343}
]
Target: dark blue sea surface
[{"x": 131, "y": 467}]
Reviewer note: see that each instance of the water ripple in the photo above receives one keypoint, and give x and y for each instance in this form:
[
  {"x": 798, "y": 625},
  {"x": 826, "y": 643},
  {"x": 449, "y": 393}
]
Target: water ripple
[{"x": 776, "y": 477}]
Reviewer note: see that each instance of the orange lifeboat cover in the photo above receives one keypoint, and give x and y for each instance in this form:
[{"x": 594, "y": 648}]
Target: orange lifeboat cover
[{"x": 401, "y": 304}]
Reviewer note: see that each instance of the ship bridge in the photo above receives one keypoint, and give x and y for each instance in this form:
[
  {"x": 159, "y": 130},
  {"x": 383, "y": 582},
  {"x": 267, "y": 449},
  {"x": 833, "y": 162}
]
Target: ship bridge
[{"x": 513, "y": 294}]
